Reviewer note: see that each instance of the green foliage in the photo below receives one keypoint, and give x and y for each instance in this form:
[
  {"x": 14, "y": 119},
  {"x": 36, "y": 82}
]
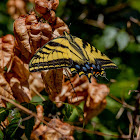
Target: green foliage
[
  {"x": 29, "y": 123},
  {"x": 1, "y": 135},
  {"x": 13, "y": 131},
  {"x": 3, "y": 113},
  {"x": 116, "y": 39}
]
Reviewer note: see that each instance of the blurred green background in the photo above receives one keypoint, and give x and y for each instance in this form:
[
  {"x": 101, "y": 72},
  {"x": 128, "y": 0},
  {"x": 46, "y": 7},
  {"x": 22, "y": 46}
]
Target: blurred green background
[{"x": 109, "y": 25}]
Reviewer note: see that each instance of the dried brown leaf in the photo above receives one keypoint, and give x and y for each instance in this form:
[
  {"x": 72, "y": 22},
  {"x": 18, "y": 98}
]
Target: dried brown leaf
[
  {"x": 93, "y": 94},
  {"x": 20, "y": 90},
  {"x": 22, "y": 36},
  {"x": 35, "y": 83},
  {"x": 20, "y": 69},
  {"x": 53, "y": 81},
  {"x": 16, "y": 8},
  {"x": 6, "y": 51},
  {"x": 59, "y": 130},
  {"x": 43, "y": 6},
  {"x": 59, "y": 27},
  {"x": 40, "y": 110}
]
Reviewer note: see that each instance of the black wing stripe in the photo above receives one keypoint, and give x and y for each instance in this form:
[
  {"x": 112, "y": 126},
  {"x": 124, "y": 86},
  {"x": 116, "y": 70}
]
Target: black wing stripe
[
  {"x": 56, "y": 44},
  {"x": 102, "y": 61},
  {"x": 43, "y": 52},
  {"x": 50, "y": 63},
  {"x": 107, "y": 67}
]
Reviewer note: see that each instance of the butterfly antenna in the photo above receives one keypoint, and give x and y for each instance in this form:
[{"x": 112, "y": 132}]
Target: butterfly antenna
[
  {"x": 69, "y": 25},
  {"x": 106, "y": 78}
]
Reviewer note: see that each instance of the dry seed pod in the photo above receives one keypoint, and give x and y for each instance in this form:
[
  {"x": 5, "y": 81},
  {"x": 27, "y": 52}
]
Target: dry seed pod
[{"x": 6, "y": 51}]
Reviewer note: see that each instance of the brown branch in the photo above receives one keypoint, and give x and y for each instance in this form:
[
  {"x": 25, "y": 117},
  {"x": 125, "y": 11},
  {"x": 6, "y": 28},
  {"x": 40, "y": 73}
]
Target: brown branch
[
  {"x": 29, "y": 112},
  {"x": 73, "y": 127},
  {"x": 122, "y": 102},
  {"x": 99, "y": 133},
  {"x": 115, "y": 8},
  {"x": 135, "y": 20},
  {"x": 95, "y": 23}
]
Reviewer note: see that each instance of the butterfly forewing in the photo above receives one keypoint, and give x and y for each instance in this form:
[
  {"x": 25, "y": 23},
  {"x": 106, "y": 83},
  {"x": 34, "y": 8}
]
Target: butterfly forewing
[{"x": 51, "y": 56}]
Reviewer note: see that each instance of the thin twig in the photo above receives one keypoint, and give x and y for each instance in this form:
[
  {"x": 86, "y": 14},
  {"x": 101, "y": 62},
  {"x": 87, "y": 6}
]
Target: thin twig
[
  {"x": 122, "y": 102},
  {"x": 29, "y": 112},
  {"x": 138, "y": 134},
  {"x": 98, "y": 133},
  {"x": 135, "y": 20},
  {"x": 73, "y": 127},
  {"x": 95, "y": 23},
  {"x": 136, "y": 112},
  {"x": 115, "y": 8},
  {"x": 37, "y": 93}
]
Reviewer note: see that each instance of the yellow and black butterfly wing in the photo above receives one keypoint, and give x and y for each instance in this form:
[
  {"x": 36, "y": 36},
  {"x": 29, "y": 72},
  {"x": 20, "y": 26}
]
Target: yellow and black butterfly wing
[
  {"x": 57, "y": 53},
  {"x": 94, "y": 55},
  {"x": 95, "y": 62},
  {"x": 54, "y": 54}
]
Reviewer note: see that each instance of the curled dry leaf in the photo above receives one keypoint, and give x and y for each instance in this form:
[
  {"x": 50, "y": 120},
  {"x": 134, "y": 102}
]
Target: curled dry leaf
[
  {"x": 39, "y": 109},
  {"x": 59, "y": 27},
  {"x": 53, "y": 81},
  {"x": 35, "y": 83},
  {"x": 92, "y": 93},
  {"x": 5, "y": 85},
  {"x": 44, "y": 6},
  {"x": 20, "y": 90},
  {"x": 30, "y": 35},
  {"x": 22, "y": 36},
  {"x": 5, "y": 89},
  {"x": 61, "y": 131},
  {"x": 95, "y": 101},
  {"x": 20, "y": 69},
  {"x": 16, "y": 8},
  {"x": 6, "y": 51}
]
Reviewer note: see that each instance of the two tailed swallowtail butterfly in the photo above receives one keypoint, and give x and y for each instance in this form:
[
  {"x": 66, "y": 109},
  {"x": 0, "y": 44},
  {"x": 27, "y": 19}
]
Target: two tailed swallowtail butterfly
[{"x": 72, "y": 52}]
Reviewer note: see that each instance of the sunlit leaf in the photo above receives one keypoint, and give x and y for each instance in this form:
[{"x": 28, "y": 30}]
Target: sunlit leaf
[
  {"x": 122, "y": 40},
  {"x": 102, "y": 2},
  {"x": 12, "y": 127},
  {"x": 80, "y": 111},
  {"x": 109, "y": 37},
  {"x": 67, "y": 111}
]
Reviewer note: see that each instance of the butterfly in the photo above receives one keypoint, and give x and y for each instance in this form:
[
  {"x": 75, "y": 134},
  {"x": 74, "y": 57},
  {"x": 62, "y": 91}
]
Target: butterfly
[{"x": 71, "y": 52}]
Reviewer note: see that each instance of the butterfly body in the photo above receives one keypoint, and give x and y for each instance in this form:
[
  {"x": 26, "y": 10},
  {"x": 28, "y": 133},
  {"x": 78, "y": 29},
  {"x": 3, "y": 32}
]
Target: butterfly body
[{"x": 73, "y": 52}]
